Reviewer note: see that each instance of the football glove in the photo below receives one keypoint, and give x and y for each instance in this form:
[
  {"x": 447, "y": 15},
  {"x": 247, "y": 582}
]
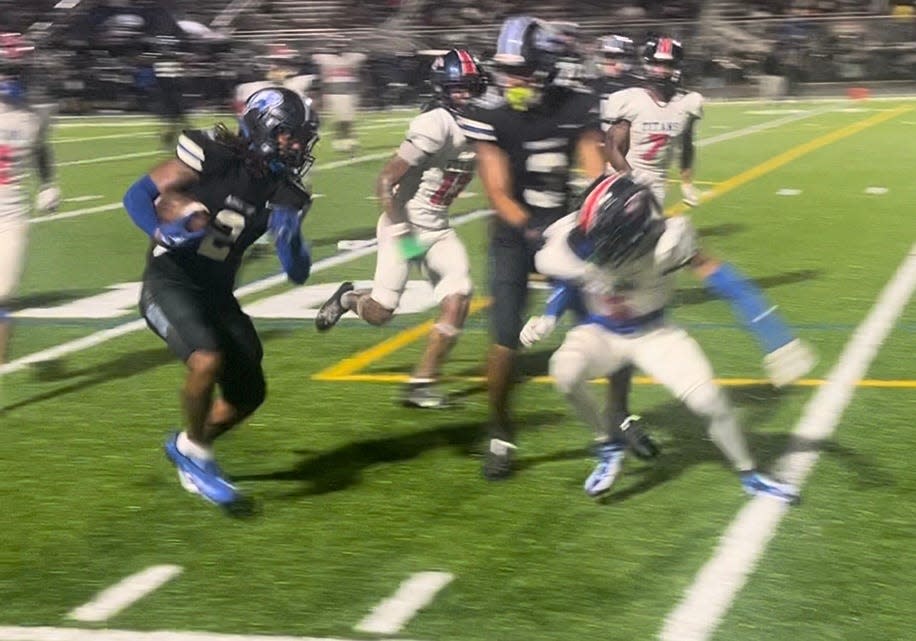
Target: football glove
[
  {"x": 48, "y": 198},
  {"x": 537, "y": 329},
  {"x": 176, "y": 234},
  {"x": 284, "y": 223},
  {"x": 689, "y": 194},
  {"x": 408, "y": 245},
  {"x": 789, "y": 363}
]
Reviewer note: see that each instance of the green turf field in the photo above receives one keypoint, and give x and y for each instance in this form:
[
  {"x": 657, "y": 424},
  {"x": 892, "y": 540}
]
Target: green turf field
[{"x": 355, "y": 494}]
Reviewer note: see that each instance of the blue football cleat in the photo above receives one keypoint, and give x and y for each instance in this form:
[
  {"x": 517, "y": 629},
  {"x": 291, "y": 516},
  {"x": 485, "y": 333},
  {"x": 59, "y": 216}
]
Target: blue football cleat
[
  {"x": 200, "y": 476},
  {"x": 757, "y": 484},
  {"x": 610, "y": 460}
]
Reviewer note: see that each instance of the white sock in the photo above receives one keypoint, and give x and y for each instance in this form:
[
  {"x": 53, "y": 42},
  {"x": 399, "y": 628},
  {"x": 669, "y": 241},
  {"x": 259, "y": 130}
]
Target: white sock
[{"x": 193, "y": 450}]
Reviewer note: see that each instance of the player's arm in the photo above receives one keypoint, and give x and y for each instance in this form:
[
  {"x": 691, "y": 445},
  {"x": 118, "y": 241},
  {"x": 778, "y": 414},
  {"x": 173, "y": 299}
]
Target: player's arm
[
  {"x": 140, "y": 197},
  {"x": 617, "y": 144},
  {"x": 590, "y": 153},
  {"x": 48, "y": 197},
  {"x": 496, "y": 175},
  {"x": 688, "y": 152},
  {"x": 287, "y": 211}
]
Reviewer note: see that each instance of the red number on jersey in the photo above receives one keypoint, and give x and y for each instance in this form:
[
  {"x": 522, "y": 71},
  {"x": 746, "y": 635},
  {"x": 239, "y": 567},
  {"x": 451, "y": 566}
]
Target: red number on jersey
[
  {"x": 657, "y": 142},
  {"x": 6, "y": 164},
  {"x": 453, "y": 182}
]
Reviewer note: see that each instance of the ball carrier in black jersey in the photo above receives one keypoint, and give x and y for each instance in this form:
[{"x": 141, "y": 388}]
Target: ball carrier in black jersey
[
  {"x": 249, "y": 182},
  {"x": 526, "y": 140}
]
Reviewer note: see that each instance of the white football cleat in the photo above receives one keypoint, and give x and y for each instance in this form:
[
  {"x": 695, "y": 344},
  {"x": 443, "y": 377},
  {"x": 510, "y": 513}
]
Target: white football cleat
[{"x": 789, "y": 363}]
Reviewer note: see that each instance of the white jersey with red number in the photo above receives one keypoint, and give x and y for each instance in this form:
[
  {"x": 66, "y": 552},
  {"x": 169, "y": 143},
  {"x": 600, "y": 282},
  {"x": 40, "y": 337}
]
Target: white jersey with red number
[
  {"x": 339, "y": 71},
  {"x": 635, "y": 290},
  {"x": 442, "y": 164},
  {"x": 654, "y": 127},
  {"x": 19, "y": 134}
]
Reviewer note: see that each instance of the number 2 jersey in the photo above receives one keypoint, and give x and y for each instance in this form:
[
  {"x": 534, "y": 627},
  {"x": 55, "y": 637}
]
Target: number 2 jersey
[
  {"x": 654, "y": 127},
  {"x": 239, "y": 199},
  {"x": 539, "y": 142},
  {"x": 442, "y": 164}
]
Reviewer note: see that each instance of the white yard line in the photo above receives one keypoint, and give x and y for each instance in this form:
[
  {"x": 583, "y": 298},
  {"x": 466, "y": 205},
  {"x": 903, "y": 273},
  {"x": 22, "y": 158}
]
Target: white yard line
[
  {"x": 763, "y": 126},
  {"x": 105, "y": 335},
  {"x": 124, "y": 593},
  {"x": 25, "y": 633},
  {"x": 135, "y": 134},
  {"x": 90, "y": 161},
  {"x": 414, "y": 594},
  {"x": 709, "y": 598},
  {"x": 75, "y": 213}
]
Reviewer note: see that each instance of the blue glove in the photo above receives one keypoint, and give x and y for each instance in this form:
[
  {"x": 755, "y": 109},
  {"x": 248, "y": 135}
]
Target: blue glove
[
  {"x": 284, "y": 224},
  {"x": 176, "y": 234}
]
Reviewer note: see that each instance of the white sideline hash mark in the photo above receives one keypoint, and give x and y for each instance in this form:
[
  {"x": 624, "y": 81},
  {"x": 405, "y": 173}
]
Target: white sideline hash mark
[
  {"x": 122, "y": 594},
  {"x": 25, "y": 633},
  {"x": 788, "y": 192},
  {"x": 876, "y": 191},
  {"x": 414, "y": 594},
  {"x": 708, "y": 599}
]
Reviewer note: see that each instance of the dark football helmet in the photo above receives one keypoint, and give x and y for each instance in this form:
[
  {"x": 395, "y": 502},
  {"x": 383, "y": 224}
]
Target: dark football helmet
[
  {"x": 527, "y": 50},
  {"x": 456, "y": 70},
  {"x": 618, "y": 221},
  {"x": 615, "y": 55},
  {"x": 662, "y": 59},
  {"x": 268, "y": 114}
]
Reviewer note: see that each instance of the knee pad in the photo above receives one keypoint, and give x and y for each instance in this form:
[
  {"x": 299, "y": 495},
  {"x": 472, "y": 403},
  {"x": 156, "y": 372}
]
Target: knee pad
[
  {"x": 453, "y": 285},
  {"x": 567, "y": 370}
]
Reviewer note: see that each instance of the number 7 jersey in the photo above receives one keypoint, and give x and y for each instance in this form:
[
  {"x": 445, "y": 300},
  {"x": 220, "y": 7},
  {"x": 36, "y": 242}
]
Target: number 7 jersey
[{"x": 654, "y": 126}]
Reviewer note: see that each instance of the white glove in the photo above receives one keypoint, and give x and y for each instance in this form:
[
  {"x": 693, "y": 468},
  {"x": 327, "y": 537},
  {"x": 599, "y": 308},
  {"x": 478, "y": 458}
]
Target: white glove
[
  {"x": 690, "y": 195},
  {"x": 48, "y": 198},
  {"x": 536, "y": 329},
  {"x": 789, "y": 363}
]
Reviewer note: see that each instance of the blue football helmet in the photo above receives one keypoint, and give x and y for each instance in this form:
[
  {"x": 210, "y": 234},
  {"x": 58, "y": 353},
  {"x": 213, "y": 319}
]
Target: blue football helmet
[
  {"x": 456, "y": 70},
  {"x": 271, "y": 112}
]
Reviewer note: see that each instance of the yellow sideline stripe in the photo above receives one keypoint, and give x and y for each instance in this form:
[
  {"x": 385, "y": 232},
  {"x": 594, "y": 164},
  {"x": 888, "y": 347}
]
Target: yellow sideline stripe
[
  {"x": 791, "y": 154},
  {"x": 347, "y": 368},
  {"x": 638, "y": 380}
]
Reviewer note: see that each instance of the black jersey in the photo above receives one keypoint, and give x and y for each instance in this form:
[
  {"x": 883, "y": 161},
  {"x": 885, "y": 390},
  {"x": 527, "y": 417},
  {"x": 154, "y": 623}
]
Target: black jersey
[
  {"x": 239, "y": 200},
  {"x": 540, "y": 144}
]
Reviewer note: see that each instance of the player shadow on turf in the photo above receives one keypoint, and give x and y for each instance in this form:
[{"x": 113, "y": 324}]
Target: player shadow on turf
[
  {"x": 48, "y": 299},
  {"x": 343, "y": 467},
  {"x": 721, "y": 230},
  {"x": 120, "y": 367}
]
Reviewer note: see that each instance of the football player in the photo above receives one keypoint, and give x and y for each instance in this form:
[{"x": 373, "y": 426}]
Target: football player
[
  {"x": 614, "y": 58},
  {"x": 416, "y": 187},
  {"x": 527, "y": 141},
  {"x": 23, "y": 145},
  {"x": 622, "y": 255},
  {"x": 340, "y": 91},
  {"x": 249, "y": 182},
  {"x": 643, "y": 126}
]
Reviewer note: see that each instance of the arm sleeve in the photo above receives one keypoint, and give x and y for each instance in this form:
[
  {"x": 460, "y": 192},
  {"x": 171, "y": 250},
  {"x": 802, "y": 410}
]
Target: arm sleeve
[
  {"x": 565, "y": 296},
  {"x": 292, "y": 251},
  {"x": 139, "y": 201}
]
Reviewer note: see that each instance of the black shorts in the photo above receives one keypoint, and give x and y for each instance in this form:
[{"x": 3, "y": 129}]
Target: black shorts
[
  {"x": 511, "y": 260},
  {"x": 190, "y": 317}
]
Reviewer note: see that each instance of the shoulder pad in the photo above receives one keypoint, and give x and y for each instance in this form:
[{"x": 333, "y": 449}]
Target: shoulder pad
[{"x": 199, "y": 150}]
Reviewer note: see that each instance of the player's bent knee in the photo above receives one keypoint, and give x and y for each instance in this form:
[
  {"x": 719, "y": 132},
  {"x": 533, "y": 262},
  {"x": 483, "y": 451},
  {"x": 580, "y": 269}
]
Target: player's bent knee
[
  {"x": 453, "y": 286},
  {"x": 205, "y": 363},
  {"x": 372, "y": 311},
  {"x": 567, "y": 369},
  {"x": 254, "y": 396},
  {"x": 708, "y": 400}
]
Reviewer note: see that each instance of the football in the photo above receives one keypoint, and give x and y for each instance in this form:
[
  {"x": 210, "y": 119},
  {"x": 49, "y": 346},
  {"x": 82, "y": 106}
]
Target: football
[{"x": 175, "y": 205}]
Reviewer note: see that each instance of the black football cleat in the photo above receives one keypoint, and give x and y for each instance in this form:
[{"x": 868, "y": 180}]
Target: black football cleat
[
  {"x": 424, "y": 396},
  {"x": 497, "y": 464},
  {"x": 332, "y": 309}
]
